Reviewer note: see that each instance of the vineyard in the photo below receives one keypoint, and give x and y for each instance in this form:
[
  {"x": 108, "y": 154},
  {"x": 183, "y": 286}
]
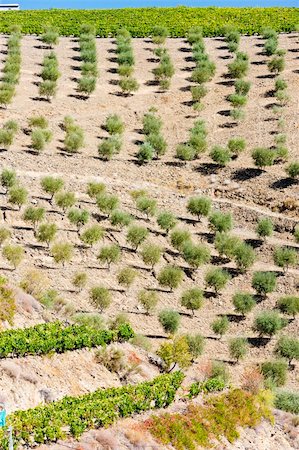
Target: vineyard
[{"x": 149, "y": 207}]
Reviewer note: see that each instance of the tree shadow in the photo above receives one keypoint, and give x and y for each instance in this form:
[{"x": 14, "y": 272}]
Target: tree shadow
[
  {"x": 208, "y": 168},
  {"x": 259, "y": 341},
  {"x": 258, "y": 63},
  {"x": 284, "y": 183},
  {"x": 185, "y": 49},
  {"x": 234, "y": 318},
  {"x": 227, "y": 83},
  {"x": 224, "y": 112},
  {"x": 246, "y": 174},
  {"x": 229, "y": 125},
  {"x": 265, "y": 77},
  {"x": 255, "y": 243}
]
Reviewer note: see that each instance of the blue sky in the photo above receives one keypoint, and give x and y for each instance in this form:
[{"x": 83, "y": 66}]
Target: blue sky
[{"x": 45, "y": 4}]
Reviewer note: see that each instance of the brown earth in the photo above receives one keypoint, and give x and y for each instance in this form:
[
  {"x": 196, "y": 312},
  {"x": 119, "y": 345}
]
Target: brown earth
[{"x": 238, "y": 188}]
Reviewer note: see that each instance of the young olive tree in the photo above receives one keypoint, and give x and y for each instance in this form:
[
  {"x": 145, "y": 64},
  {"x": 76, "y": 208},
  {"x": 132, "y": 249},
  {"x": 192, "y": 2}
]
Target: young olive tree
[
  {"x": 46, "y": 232},
  {"x": 238, "y": 348},
  {"x": 62, "y": 252},
  {"x": 100, "y": 297},
  {"x": 151, "y": 254},
  {"x": 52, "y": 185},
  {"x": 18, "y": 196},
  {"x": 220, "y": 326},
  {"x": 166, "y": 220},
  {"x": 34, "y": 215},
  {"x": 264, "y": 282},
  {"x": 170, "y": 320},
  {"x": 5, "y": 234},
  {"x": 14, "y": 254},
  {"x": 217, "y": 279},
  {"x": 221, "y": 222},
  {"x": 264, "y": 228},
  {"x": 243, "y": 302},
  {"x": 136, "y": 235},
  {"x": 170, "y": 277},
  {"x": 78, "y": 217},
  {"x": 192, "y": 299},
  {"x": 285, "y": 257},
  {"x": 90, "y": 236},
  {"x": 148, "y": 300},
  {"x": 109, "y": 254},
  {"x": 65, "y": 200},
  {"x": 107, "y": 203},
  {"x": 196, "y": 255},
  {"x": 126, "y": 276},
  {"x": 199, "y": 206},
  {"x": 289, "y": 304},
  {"x": 79, "y": 280},
  {"x": 8, "y": 179},
  {"x": 179, "y": 238},
  {"x": 268, "y": 323}
]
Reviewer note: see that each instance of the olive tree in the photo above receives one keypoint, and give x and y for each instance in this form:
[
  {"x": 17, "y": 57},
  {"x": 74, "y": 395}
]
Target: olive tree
[
  {"x": 14, "y": 254},
  {"x": 149, "y": 300},
  {"x": 120, "y": 218},
  {"x": 34, "y": 215},
  {"x": 192, "y": 299},
  {"x": 217, "y": 278},
  {"x": 179, "y": 238},
  {"x": 220, "y": 325},
  {"x": 62, "y": 252},
  {"x": 78, "y": 217},
  {"x": 170, "y": 277},
  {"x": 136, "y": 235},
  {"x": 243, "y": 302},
  {"x": 196, "y": 255},
  {"x": 289, "y": 304},
  {"x": 126, "y": 276},
  {"x": 107, "y": 203},
  {"x": 5, "y": 234},
  {"x": 221, "y": 222},
  {"x": 79, "y": 280},
  {"x": 170, "y": 320},
  {"x": 51, "y": 185},
  {"x": 146, "y": 205},
  {"x": 65, "y": 200},
  {"x": 46, "y": 232},
  {"x": 238, "y": 348},
  {"x": 264, "y": 228},
  {"x": 285, "y": 257},
  {"x": 263, "y": 157},
  {"x": 288, "y": 347},
  {"x": 18, "y": 195},
  {"x": 94, "y": 189},
  {"x": 264, "y": 282},
  {"x": 268, "y": 323},
  {"x": 199, "y": 206},
  {"x": 90, "y": 236},
  {"x": 244, "y": 256},
  {"x": 166, "y": 220},
  {"x": 100, "y": 297},
  {"x": 151, "y": 254},
  {"x": 109, "y": 254},
  {"x": 8, "y": 179}
]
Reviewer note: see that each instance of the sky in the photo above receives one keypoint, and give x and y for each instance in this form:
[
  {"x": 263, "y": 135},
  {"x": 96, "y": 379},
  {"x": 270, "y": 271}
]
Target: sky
[{"x": 84, "y": 4}]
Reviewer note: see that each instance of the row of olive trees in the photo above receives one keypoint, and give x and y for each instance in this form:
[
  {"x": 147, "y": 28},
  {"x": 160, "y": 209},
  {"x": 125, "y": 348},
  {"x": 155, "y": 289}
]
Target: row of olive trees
[
  {"x": 204, "y": 68},
  {"x": 88, "y": 57},
  {"x": 12, "y": 67},
  {"x": 40, "y": 133},
  {"x": 50, "y": 74},
  {"x": 126, "y": 62},
  {"x": 165, "y": 69},
  {"x": 155, "y": 144}
]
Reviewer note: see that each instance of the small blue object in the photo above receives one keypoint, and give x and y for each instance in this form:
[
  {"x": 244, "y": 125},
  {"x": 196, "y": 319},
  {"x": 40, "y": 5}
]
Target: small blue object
[{"x": 2, "y": 418}]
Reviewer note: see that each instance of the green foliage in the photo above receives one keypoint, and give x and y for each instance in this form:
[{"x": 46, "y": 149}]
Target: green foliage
[
  {"x": 221, "y": 222},
  {"x": 8, "y": 178},
  {"x": 243, "y": 302},
  {"x": 95, "y": 189},
  {"x": 39, "y": 139},
  {"x": 244, "y": 256},
  {"x": 285, "y": 257},
  {"x": 175, "y": 352},
  {"x": 146, "y": 205},
  {"x": 196, "y": 344},
  {"x": 149, "y": 300},
  {"x": 109, "y": 254},
  {"x": 159, "y": 34},
  {"x": 192, "y": 299},
  {"x": 62, "y": 252},
  {"x": 166, "y": 220},
  {"x": 185, "y": 152},
  {"x": 7, "y": 305},
  {"x": 170, "y": 277},
  {"x": 209, "y": 385},
  {"x": 287, "y": 401},
  {"x": 239, "y": 67},
  {"x": 264, "y": 227},
  {"x": 145, "y": 153},
  {"x": 128, "y": 85},
  {"x": 34, "y": 214},
  {"x": 78, "y": 217},
  {"x": 17, "y": 195},
  {"x": 50, "y": 36},
  {"x": 92, "y": 320},
  {"x": 289, "y": 304},
  {"x": 196, "y": 255},
  {"x": 5, "y": 234},
  {"x": 237, "y": 100},
  {"x": 264, "y": 282},
  {"x": 14, "y": 254},
  {"x": 226, "y": 244},
  {"x": 220, "y": 325},
  {"x": 288, "y": 347},
  {"x": 151, "y": 123},
  {"x": 268, "y": 323},
  {"x": 198, "y": 92},
  {"x": 217, "y": 278},
  {"x": 52, "y": 185},
  {"x": 74, "y": 139},
  {"x": 114, "y": 124},
  {"x": 100, "y": 297},
  {"x": 242, "y": 87},
  {"x": 142, "y": 342},
  {"x": 126, "y": 276},
  {"x": 238, "y": 348},
  {"x": 151, "y": 254},
  {"x": 87, "y": 84},
  {"x": 136, "y": 235},
  {"x": 276, "y": 64},
  {"x": 236, "y": 145},
  {"x": 120, "y": 218},
  {"x": 107, "y": 203},
  {"x": 199, "y": 206},
  {"x": 170, "y": 320},
  {"x": 91, "y": 235},
  {"x": 109, "y": 147},
  {"x": 220, "y": 155},
  {"x": 48, "y": 89},
  {"x": 158, "y": 143},
  {"x": 219, "y": 370},
  {"x": 263, "y": 157},
  {"x": 65, "y": 200},
  {"x": 275, "y": 372},
  {"x": 293, "y": 169},
  {"x": 179, "y": 238},
  {"x": 79, "y": 281}
]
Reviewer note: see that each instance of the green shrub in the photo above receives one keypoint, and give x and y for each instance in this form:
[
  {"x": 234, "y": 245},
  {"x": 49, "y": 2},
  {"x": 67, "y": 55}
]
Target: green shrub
[
  {"x": 17, "y": 195},
  {"x": 151, "y": 123},
  {"x": 87, "y": 84},
  {"x": 46, "y": 232},
  {"x": 128, "y": 85},
  {"x": 192, "y": 299},
  {"x": 120, "y": 218},
  {"x": 217, "y": 279},
  {"x": 158, "y": 143},
  {"x": 79, "y": 280},
  {"x": 114, "y": 124},
  {"x": 242, "y": 87},
  {"x": 166, "y": 220},
  {"x": 196, "y": 255},
  {"x": 149, "y": 300},
  {"x": 236, "y": 145},
  {"x": 62, "y": 252},
  {"x": 146, "y": 205},
  {"x": 185, "y": 152},
  {"x": 126, "y": 276},
  {"x": 237, "y": 114},
  {"x": 107, "y": 203},
  {"x": 220, "y": 325},
  {"x": 100, "y": 297},
  {"x": 136, "y": 235},
  {"x": 268, "y": 323},
  {"x": 5, "y": 234},
  {"x": 65, "y": 200},
  {"x": 145, "y": 153},
  {"x": 159, "y": 34},
  {"x": 170, "y": 320},
  {"x": 50, "y": 36},
  {"x": 292, "y": 169},
  {"x": 264, "y": 228},
  {"x": 38, "y": 122},
  {"x": 74, "y": 140},
  {"x": 196, "y": 344},
  {"x": 151, "y": 254},
  {"x": 288, "y": 347},
  {"x": 244, "y": 256},
  {"x": 264, "y": 282},
  {"x": 238, "y": 348},
  {"x": 276, "y": 64},
  {"x": 52, "y": 185},
  {"x": 238, "y": 68},
  {"x": 78, "y": 217},
  {"x": 285, "y": 257},
  {"x": 170, "y": 277},
  {"x": 179, "y": 237},
  {"x": 109, "y": 254},
  {"x": 243, "y": 302},
  {"x": 198, "y": 92},
  {"x": 34, "y": 214},
  {"x": 109, "y": 147},
  {"x": 270, "y": 46},
  {"x": 275, "y": 372},
  {"x": 8, "y": 178},
  {"x": 221, "y": 222},
  {"x": 263, "y": 157},
  {"x": 237, "y": 100},
  {"x": 48, "y": 89},
  {"x": 287, "y": 401},
  {"x": 92, "y": 235},
  {"x": 226, "y": 244},
  {"x": 199, "y": 206},
  {"x": 14, "y": 254},
  {"x": 220, "y": 155},
  {"x": 289, "y": 305}
]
